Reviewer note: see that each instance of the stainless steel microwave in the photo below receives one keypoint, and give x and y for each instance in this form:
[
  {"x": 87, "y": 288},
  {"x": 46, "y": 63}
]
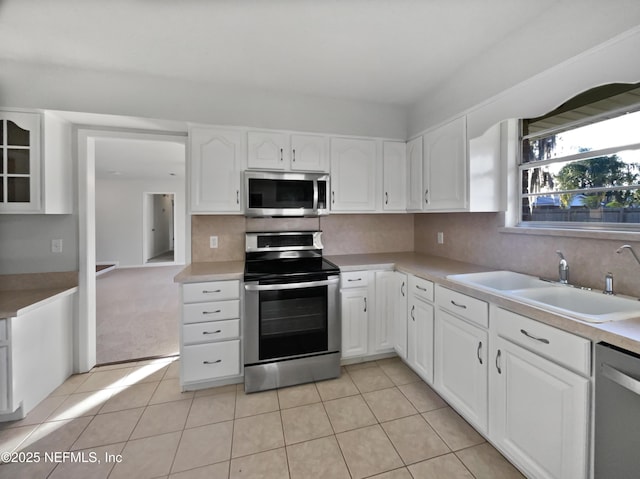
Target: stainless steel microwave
[{"x": 286, "y": 194}]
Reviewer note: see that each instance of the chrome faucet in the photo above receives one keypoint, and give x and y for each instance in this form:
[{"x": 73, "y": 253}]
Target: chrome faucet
[
  {"x": 563, "y": 269},
  {"x": 626, "y": 246}
]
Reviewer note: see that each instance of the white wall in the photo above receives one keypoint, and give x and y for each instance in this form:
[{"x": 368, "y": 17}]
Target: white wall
[
  {"x": 119, "y": 226},
  {"x": 519, "y": 90},
  {"x": 25, "y": 243},
  {"x": 48, "y": 87}
]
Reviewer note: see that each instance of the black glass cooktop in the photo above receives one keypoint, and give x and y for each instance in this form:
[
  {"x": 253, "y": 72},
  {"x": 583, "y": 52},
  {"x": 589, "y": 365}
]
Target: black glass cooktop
[{"x": 289, "y": 269}]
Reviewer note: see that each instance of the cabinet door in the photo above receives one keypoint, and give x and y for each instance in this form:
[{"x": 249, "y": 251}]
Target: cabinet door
[
  {"x": 445, "y": 167},
  {"x": 309, "y": 153},
  {"x": 19, "y": 162},
  {"x": 400, "y": 314},
  {"x": 267, "y": 150},
  {"x": 420, "y": 338},
  {"x": 215, "y": 168},
  {"x": 353, "y": 174},
  {"x": 383, "y": 325},
  {"x": 460, "y": 367},
  {"x": 539, "y": 413},
  {"x": 416, "y": 196},
  {"x": 394, "y": 174},
  {"x": 355, "y": 309}
]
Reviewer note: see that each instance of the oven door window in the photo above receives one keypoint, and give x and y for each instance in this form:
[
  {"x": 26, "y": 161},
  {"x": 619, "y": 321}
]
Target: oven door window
[{"x": 293, "y": 322}]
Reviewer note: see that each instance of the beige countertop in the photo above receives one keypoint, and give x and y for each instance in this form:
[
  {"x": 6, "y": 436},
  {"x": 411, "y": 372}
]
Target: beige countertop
[
  {"x": 13, "y": 303},
  {"x": 21, "y": 292},
  {"x": 210, "y": 271},
  {"x": 624, "y": 334}
]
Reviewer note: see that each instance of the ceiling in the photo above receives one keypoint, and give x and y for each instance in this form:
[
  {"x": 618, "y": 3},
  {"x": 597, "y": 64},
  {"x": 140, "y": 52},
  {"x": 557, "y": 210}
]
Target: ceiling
[
  {"x": 385, "y": 51},
  {"x": 132, "y": 159}
]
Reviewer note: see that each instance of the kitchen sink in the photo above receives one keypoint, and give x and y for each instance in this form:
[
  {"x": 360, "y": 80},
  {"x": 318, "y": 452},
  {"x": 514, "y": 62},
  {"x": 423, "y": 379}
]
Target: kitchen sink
[
  {"x": 586, "y": 305},
  {"x": 499, "y": 280}
]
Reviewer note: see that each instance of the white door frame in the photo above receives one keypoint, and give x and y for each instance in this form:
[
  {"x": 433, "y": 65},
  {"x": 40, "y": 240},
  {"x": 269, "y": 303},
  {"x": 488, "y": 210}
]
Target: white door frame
[
  {"x": 147, "y": 221},
  {"x": 85, "y": 329}
]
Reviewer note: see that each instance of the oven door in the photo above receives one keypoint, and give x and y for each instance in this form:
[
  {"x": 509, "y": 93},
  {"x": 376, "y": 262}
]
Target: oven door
[{"x": 289, "y": 320}]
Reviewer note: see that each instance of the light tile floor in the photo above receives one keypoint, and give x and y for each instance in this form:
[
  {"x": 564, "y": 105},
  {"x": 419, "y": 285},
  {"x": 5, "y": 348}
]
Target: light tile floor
[{"x": 131, "y": 421}]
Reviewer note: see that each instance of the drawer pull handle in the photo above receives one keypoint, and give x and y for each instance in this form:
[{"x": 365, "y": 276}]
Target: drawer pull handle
[
  {"x": 498, "y": 361},
  {"x": 421, "y": 288},
  {"x": 542, "y": 340},
  {"x": 402, "y": 288},
  {"x": 212, "y": 312},
  {"x": 212, "y": 362},
  {"x": 204, "y": 291},
  {"x": 413, "y": 308},
  {"x": 478, "y": 352},
  {"x": 365, "y": 305},
  {"x": 354, "y": 279},
  {"x": 212, "y": 332},
  {"x": 458, "y": 305}
]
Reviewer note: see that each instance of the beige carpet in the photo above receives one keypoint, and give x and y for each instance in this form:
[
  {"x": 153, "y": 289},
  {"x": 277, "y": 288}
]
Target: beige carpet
[{"x": 138, "y": 312}]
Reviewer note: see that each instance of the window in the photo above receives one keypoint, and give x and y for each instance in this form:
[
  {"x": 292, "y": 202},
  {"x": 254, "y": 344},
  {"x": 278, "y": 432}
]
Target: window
[{"x": 580, "y": 164}]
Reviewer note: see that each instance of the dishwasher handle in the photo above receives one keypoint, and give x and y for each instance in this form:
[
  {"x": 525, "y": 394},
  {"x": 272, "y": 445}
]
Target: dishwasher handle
[{"x": 620, "y": 378}]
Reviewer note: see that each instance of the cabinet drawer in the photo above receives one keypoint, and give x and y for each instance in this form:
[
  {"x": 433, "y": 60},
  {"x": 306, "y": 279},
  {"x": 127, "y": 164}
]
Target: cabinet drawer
[
  {"x": 354, "y": 279},
  {"x": 422, "y": 288},
  {"x": 465, "y": 306},
  {"x": 559, "y": 346},
  {"x": 210, "y": 361},
  {"x": 210, "y": 291},
  {"x": 211, "y": 331},
  {"x": 214, "y": 311}
]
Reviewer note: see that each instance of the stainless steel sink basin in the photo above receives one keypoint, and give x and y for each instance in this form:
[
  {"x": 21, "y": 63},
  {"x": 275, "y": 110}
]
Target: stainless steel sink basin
[
  {"x": 499, "y": 280},
  {"x": 592, "y": 306}
]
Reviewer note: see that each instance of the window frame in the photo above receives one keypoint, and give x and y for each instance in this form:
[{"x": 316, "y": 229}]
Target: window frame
[{"x": 573, "y": 225}]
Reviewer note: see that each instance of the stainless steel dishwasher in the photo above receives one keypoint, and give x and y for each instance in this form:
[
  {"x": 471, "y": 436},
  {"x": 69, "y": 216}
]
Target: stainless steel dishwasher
[{"x": 617, "y": 413}]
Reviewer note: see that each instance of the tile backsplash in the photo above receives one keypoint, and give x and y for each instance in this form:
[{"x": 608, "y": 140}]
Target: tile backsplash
[{"x": 343, "y": 234}]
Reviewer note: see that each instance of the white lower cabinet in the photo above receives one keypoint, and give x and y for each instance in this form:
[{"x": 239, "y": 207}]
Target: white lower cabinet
[
  {"x": 420, "y": 328},
  {"x": 369, "y": 308},
  {"x": 539, "y": 415},
  {"x": 210, "y": 333},
  {"x": 354, "y": 322},
  {"x": 461, "y": 374},
  {"x": 400, "y": 293}
]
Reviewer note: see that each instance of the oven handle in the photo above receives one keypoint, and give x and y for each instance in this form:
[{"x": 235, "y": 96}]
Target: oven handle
[{"x": 276, "y": 287}]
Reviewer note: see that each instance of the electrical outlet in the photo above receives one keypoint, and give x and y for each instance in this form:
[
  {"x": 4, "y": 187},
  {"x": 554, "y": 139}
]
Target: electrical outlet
[
  {"x": 213, "y": 241},
  {"x": 56, "y": 246},
  {"x": 440, "y": 237}
]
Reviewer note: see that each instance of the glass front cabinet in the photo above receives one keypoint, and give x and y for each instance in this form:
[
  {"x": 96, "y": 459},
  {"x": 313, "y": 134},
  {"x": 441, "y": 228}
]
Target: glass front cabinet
[{"x": 20, "y": 161}]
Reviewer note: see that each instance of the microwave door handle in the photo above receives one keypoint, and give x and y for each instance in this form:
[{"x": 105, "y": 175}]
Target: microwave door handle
[
  {"x": 315, "y": 195},
  {"x": 276, "y": 287}
]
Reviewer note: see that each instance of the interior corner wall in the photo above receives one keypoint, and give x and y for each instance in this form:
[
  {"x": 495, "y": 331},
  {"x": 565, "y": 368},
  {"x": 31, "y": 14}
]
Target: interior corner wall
[
  {"x": 55, "y": 88},
  {"x": 119, "y": 216}
]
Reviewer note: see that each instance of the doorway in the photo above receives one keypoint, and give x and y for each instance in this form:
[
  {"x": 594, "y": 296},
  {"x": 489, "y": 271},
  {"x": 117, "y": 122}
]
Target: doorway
[
  {"x": 159, "y": 228},
  {"x": 90, "y": 144}
]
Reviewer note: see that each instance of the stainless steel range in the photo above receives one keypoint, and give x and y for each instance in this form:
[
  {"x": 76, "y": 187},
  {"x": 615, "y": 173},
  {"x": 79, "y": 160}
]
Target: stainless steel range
[{"x": 292, "y": 330}]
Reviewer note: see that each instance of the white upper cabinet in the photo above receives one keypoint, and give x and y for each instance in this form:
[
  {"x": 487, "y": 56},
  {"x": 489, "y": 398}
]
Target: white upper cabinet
[
  {"x": 445, "y": 167},
  {"x": 216, "y": 162},
  {"x": 281, "y": 151},
  {"x": 268, "y": 150},
  {"x": 394, "y": 167},
  {"x": 415, "y": 192},
  {"x": 487, "y": 169},
  {"x": 20, "y": 169},
  {"x": 35, "y": 163},
  {"x": 309, "y": 153},
  {"x": 353, "y": 175}
]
